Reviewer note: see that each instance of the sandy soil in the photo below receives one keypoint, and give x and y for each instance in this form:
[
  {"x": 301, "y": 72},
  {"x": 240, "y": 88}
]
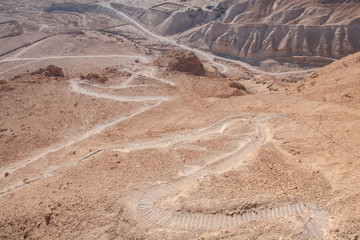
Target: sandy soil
[{"x": 152, "y": 153}]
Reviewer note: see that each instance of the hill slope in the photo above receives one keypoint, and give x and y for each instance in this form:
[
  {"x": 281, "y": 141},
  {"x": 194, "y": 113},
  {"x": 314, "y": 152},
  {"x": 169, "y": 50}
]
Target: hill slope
[{"x": 282, "y": 29}]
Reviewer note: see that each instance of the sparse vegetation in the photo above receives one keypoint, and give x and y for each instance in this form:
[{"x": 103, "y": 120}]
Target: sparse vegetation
[{"x": 221, "y": 10}]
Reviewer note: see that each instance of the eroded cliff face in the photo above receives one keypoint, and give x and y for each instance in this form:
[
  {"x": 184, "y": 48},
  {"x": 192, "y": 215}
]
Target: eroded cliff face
[
  {"x": 306, "y": 12},
  {"x": 279, "y": 29},
  {"x": 260, "y": 41}
]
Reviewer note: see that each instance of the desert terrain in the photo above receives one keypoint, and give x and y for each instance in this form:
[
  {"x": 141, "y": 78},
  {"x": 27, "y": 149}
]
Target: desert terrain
[{"x": 179, "y": 120}]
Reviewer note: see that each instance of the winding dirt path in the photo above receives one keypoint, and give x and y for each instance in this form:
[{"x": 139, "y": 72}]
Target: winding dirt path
[
  {"x": 147, "y": 199},
  {"x": 147, "y": 208},
  {"x": 77, "y": 86}
]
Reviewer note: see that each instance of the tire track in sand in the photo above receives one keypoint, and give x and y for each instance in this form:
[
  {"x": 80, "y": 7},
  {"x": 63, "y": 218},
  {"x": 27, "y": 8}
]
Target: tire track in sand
[{"x": 147, "y": 209}]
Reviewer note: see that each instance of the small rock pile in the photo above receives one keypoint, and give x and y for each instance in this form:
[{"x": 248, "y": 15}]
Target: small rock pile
[
  {"x": 95, "y": 78},
  {"x": 50, "y": 71}
]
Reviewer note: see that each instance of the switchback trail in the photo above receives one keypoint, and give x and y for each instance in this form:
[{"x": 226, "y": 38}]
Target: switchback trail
[
  {"x": 147, "y": 201},
  {"x": 77, "y": 86}
]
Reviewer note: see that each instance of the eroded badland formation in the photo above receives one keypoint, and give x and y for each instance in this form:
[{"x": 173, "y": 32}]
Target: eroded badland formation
[{"x": 190, "y": 119}]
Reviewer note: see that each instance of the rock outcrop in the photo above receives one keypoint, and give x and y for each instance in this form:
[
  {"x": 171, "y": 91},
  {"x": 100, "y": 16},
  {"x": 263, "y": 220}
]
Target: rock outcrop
[
  {"x": 261, "y": 41},
  {"x": 50, "y": 71},
  {"x": 291, "y": 12},
  {"x": 187, "y": 62},
  {"x": 279, "y": 29},
  {"x": 54, "y": 71}
]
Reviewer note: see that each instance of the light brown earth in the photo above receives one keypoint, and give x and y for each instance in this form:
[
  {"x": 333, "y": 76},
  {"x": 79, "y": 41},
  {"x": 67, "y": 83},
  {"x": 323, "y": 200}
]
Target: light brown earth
[{"x": 153, "y": 153}]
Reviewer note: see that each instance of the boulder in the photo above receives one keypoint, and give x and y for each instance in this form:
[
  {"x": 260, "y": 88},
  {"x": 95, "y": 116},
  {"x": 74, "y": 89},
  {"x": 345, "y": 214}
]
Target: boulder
[{"x": 53, "y": 71}]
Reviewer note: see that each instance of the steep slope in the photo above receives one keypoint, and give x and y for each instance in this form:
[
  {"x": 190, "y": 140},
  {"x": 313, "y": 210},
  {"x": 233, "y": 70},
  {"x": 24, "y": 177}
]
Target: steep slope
[
  {"x": 261, "y": 41},
  {"x": 334, "y": 91},
  {"x": 256, "y": 29},
  {"x": 167, "y": 22},
  {"x": 308, "y": 12},
  {"x": 336, "y": 83}
]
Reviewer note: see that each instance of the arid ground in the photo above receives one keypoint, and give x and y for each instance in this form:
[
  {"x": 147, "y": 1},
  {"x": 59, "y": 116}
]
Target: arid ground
[{"x": 130, "y": 134}]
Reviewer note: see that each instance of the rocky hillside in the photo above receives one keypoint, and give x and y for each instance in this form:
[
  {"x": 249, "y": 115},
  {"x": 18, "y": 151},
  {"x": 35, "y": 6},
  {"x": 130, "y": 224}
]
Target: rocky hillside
[
  {"x": 167, "y": 23},
  {"x": 336, "y": 83},
  {"x": 261, "y": 41},
  {"x": 256, "y": 29}
]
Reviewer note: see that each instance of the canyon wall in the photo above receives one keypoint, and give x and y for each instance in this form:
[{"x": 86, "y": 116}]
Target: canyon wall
[
  {"x": 281, "y": 29},
  {"x": 262, "y": 41}
]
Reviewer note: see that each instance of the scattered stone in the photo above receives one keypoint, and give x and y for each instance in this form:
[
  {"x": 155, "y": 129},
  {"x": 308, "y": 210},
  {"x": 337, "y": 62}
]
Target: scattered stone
[
  {"x": 50, "y": 71},
  {"x": 96, "y": 77},
  {"x": 6, "y": 174},
  {"x": 314, "y": 75},
  {"x": 48, "y": 218},
  {"x": 26, "y": 235},
  {"x": 347, "y": 95}
]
